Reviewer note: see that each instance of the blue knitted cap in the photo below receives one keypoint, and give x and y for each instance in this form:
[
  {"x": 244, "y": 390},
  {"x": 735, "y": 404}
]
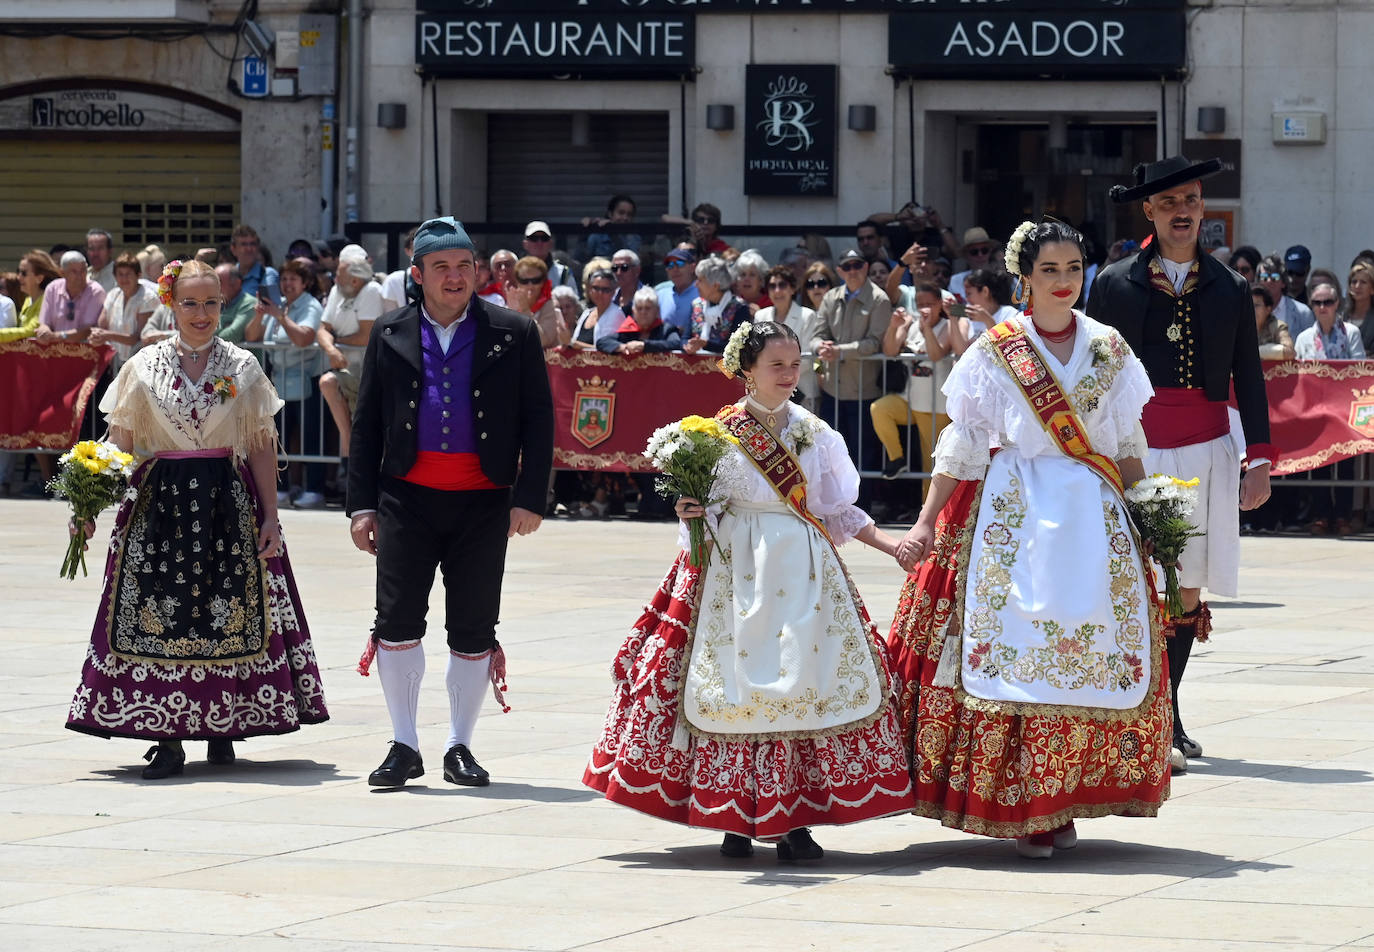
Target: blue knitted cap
[{"x": 441, "y": 234}]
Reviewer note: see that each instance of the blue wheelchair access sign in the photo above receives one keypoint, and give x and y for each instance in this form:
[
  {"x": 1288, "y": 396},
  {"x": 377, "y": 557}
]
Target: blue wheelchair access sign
[{"x": 254, "y": 76}]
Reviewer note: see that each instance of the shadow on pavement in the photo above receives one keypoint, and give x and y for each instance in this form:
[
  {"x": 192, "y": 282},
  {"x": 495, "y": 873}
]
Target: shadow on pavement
[
  {"x": 497, "y": 791},
  {"x": 283, "y": 773},
  {"x": 1284, "y": 773}
]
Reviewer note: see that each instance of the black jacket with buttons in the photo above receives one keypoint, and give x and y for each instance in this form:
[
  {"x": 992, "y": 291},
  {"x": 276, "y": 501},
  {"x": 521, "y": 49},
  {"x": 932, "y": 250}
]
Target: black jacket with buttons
[
  {"x": 1228, "y": 350},
  {"x": 511, "y": 404}
]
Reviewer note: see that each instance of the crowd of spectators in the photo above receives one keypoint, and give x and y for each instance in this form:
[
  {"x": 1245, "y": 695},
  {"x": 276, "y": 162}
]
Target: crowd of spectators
[{"x": 905, "y": 286}]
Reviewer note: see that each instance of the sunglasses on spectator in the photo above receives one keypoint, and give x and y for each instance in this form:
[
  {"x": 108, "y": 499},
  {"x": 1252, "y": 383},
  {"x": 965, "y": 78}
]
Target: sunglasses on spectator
[
  {"x": 209, "y": 307},
  {"x": 621, "y": 267},
  {"x": 1270, "y": 276},
  {"x": 670, "y": 265},
  {"x": 530, "y": 280},
  {"x": 818, "y": 283},
  {"x": 977, "y": 252},
  {"x": 599, "y": 288},
  {"x": 539, "y": 236},
  {"x": 852, "y": 266},
  {"x": 1323, "y": 302},
  {"x": 778, "y": 284},
  {"x": 703, "y": 220}
]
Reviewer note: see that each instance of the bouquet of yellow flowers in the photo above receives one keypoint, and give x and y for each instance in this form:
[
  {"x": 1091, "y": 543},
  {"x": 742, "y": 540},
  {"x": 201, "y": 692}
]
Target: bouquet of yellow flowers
[
  {"x": 1159, "y": 506},
  {"x": 92, "y": 476},
  {"x": 686, "y": 453}
]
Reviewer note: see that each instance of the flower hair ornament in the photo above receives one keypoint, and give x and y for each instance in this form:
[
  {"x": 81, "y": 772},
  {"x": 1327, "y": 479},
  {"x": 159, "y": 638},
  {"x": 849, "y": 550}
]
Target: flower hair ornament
[
  {"x": 1014, "y": 245},
  {"x": 729, "y": 361},
  {"x": 167, "y": 280}
]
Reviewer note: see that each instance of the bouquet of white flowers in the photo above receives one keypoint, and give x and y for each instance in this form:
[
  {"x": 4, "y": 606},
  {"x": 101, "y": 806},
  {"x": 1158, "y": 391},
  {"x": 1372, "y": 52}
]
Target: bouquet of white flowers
[
  {"x": 92, "y": 475},
  {"x": 1159, "y": 506},
  {"x": 686, "y": 453}
]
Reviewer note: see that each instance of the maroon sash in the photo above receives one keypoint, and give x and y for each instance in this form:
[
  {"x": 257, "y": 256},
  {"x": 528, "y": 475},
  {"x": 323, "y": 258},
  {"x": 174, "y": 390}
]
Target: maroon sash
[{"x": 773, "y": 460}]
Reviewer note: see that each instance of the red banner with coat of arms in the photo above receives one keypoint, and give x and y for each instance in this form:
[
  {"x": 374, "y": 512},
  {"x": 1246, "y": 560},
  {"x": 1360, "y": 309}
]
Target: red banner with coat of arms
[
  {"x": 607, "y": 405},
  {"x": 1320, "y": 412},
  {"x": 45, "y": 391}
]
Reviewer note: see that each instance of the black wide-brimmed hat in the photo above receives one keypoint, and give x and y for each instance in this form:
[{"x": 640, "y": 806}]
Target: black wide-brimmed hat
[{"x": 1152, "y": 178}]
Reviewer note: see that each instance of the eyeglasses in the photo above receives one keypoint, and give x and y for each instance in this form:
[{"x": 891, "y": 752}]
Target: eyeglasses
[
  {"x": 704, "y": 220},
  {"x": 599, "y": 288},
  {"x": 617, "y": 268},
  {"x": 779, "y": 285},
  {"x": 1322, "y": 302},
  {"x": 209, "y": 307},
  {"x": 853, "y": 266},
  {"x": 818, "y": 283},
  {"x": 530, "y": 281},
  {"x": 1270, "y": 276},
  {"x": 539, "y": 236},
  {"x": 670, "y": 265}
]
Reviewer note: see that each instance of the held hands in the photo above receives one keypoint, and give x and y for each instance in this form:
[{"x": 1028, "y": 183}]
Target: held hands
[
  {"x": 99, "y": 335},
  {"x": 693, "y": 344},
  {"x": 630, "y": 348},
  {"x": 915, "y": 545},
  {"x": 363, "y": 529},
  {"x": 828, "y": 351}
]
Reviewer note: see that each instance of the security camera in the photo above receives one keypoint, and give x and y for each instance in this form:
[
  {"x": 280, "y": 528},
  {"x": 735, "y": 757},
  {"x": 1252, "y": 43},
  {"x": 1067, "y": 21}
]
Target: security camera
[{"x": 259, "y": 38}]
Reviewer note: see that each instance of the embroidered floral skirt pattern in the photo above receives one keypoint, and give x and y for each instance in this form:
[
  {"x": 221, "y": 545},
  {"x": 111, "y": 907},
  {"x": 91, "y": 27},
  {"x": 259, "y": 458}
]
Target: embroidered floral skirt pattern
[
  {"x": 194, "y": 526},
  {"x": 980, "y": 770},
  {"x": 645, "y": 759}
]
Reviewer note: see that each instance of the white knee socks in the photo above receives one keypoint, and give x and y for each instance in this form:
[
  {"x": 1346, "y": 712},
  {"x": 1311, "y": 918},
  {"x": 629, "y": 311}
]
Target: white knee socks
[
  {"x": 401, "y": 667},
  {"x": 468, "y": 678}
]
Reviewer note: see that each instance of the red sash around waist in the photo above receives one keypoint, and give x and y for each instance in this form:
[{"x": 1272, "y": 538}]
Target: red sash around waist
[
  {"x": 1180, "y": 416},
  {"x": 448, "y": 471}
]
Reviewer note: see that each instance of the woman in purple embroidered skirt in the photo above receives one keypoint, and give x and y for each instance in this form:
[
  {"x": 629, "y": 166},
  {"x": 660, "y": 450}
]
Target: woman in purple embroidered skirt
[{"x": 200, "y": 633}]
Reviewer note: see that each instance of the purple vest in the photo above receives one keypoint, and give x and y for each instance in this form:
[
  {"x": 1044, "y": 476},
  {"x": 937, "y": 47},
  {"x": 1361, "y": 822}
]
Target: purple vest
[{"x": 445, "y": 417}]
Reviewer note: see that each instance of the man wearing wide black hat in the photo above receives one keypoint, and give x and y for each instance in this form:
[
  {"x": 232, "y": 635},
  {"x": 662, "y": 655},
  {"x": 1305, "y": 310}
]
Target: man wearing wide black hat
[
  {"x": 1191, "y": 321},
  {"x": 451, "y": 451}
]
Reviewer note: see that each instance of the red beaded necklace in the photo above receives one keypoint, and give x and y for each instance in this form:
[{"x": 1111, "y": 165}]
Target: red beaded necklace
[{"x": 1057, "y": 337}]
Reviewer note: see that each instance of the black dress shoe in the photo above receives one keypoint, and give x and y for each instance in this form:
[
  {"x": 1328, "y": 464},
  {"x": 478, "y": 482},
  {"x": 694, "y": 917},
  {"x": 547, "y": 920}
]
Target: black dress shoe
[
  {"x": 462, "y": 768},
  {"x": 220, "y": 752},
  {"x": 798, "y": 845},
  {"x": 736, "y": 846},
  {"x": 164, "y": 760},
  {"x": 402, "y": 763}
]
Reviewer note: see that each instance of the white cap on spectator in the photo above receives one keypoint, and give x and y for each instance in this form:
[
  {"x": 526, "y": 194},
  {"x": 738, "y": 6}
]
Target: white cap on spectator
[{"x": 535, "y": 227}]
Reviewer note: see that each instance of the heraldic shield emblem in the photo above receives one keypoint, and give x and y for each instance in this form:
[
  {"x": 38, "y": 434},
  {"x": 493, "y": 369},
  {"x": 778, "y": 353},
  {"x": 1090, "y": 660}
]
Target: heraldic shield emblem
[
  {"x": 1362, "y": 415},
  {"x": 593, "y": 411}
]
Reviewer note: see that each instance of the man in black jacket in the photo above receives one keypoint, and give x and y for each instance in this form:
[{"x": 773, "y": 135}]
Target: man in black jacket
[
  {"x": 451, "y": 451},
  {"x": 1191, "y": 321}
]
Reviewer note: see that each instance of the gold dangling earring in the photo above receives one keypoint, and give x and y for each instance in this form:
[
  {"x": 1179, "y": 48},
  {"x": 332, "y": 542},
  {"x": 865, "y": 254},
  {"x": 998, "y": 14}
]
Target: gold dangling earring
[{"x": 750, "y": 387}]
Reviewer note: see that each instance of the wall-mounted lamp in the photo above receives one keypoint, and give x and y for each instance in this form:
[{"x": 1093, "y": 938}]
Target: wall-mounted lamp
[
  {"x": 863, "y": 118},
  {"x": 391, "y": 115},
  {"x": 720, "y": 117},
  {"x": 1211, "y": 118}
]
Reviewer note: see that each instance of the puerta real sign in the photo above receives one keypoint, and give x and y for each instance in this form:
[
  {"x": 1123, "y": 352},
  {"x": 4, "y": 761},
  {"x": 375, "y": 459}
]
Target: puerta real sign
[
  {"x": 1039, "y": 38},
  {"x": 789, "y": 130}
]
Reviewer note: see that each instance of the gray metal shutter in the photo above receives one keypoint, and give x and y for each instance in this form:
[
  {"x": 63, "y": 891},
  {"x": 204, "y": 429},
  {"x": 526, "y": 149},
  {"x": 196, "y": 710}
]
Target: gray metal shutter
[{"x": 534, "y": 170}]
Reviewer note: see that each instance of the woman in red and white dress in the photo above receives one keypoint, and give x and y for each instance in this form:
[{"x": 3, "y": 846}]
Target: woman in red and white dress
[
  {"x": 1028, "y": 637},
  {"x": 753, "y": 695}
]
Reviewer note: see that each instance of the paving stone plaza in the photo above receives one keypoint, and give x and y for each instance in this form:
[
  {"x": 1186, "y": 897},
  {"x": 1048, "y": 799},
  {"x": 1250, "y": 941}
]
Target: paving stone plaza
[{"x": 1265, "y": 845}]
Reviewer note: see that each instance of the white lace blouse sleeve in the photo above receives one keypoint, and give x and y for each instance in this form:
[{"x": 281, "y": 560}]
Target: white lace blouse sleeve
[
  {"x": 975, "y": 404},
  {"x": 1126, "y": 399},
  {"x": 831, "y": 491}
]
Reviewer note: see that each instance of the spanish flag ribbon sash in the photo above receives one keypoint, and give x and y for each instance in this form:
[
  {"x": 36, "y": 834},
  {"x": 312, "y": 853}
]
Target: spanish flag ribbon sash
[
  {"x": 772, "y": 459},
  {"x": 1042, "y": 391}
]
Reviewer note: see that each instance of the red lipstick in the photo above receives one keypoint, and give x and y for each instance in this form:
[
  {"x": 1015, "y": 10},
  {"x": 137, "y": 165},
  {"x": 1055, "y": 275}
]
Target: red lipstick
[{"x": 1063, "y": 294}]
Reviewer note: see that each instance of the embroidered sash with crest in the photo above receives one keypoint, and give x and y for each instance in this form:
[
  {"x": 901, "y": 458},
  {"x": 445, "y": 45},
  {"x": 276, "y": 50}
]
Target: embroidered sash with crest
[
  {"x": 1042, "y": 391},
  {"x": 773, "y": 460}
]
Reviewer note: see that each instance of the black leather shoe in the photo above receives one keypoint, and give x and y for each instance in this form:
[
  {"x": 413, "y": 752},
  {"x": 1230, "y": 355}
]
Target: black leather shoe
[
  {"x": 736, "y": 846},
  {"x": 402, "y": 763},
  {"x": 220, "y": 752},
  {"x": 164, "y": 760},
  {"x": 798, "y": 845},
  {"x": 1190, "y": 747},
  {"x": 462, "y": 768}
]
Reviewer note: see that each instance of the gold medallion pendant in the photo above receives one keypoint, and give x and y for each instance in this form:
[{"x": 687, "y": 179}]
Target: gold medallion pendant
[{"x": 1174, "y": 333}]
